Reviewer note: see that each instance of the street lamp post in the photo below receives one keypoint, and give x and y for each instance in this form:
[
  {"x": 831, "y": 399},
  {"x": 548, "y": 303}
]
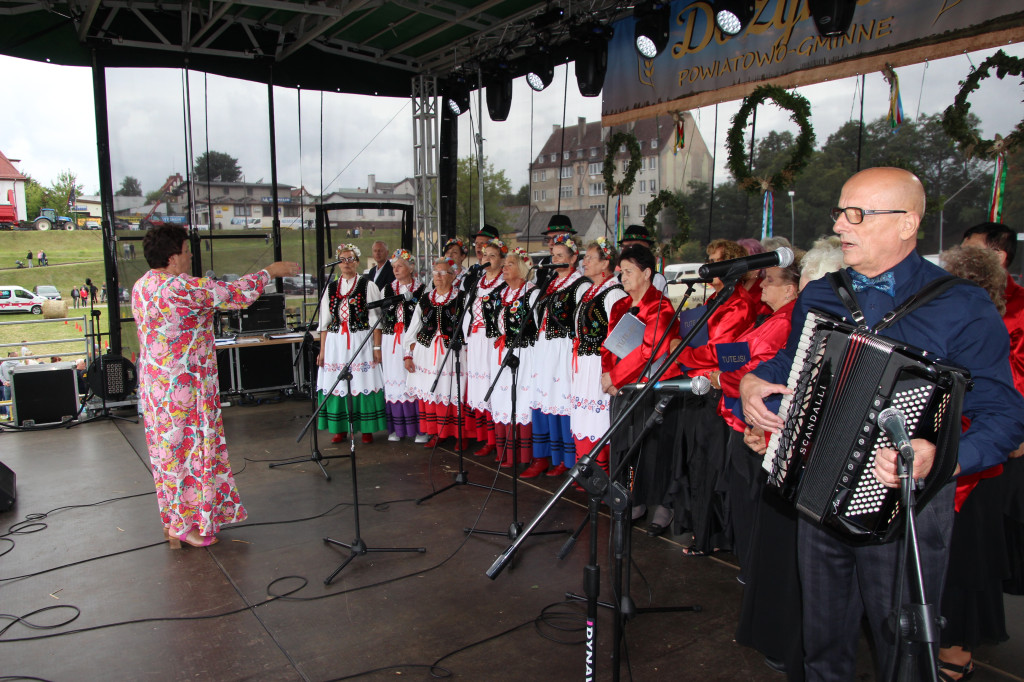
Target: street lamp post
[{"x": 792, "y": 217}]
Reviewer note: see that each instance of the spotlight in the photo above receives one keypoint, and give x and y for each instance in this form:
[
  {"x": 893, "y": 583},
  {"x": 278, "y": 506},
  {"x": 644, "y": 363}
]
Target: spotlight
[
  {"x": 547, "y": 18},
  {"x": 733, "y": 15},
  {"x": 592, "y": 57},
  {"x": 652, "y": 24},
  {"x": 457, "y": 95},
  {"x": 499, "y": 94},
  {"x": 540, "y": 73},
  {"x": 832, "y": 17}
]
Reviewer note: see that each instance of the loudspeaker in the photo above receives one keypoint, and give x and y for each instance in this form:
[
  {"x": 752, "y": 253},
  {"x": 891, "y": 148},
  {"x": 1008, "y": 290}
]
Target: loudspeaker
[
  {"x": 44, "y": 394},
  {"x": 7, "y": 487},
  {"x": 265, "y": 366},
  {"x": 266, "y": 314}
]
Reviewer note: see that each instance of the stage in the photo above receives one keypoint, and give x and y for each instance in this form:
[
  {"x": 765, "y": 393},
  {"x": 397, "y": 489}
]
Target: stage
[{"x": 211, "y": 614}]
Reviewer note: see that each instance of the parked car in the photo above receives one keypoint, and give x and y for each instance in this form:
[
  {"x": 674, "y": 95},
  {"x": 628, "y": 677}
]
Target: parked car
[
  {"x": 15, "y": 299},
  {"x": 92, "y": 224},
  {"x": 295, "y": 285},
  {"x": 48, "y": 291}
]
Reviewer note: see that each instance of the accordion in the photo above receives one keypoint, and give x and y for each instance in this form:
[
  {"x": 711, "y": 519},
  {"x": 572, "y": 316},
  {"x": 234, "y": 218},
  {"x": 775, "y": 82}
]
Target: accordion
[{"x": 823, "y": 459}]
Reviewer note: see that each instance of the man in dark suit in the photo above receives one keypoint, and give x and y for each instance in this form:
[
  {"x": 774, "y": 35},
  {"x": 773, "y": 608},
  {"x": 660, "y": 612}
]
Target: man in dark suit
[{"x": 381, "y": 273}]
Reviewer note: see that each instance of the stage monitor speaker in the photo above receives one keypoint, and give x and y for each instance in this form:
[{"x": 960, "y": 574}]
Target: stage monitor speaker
[
  {"x": 266, "y": 314},
  {"x": 7, "y": 487},
  {"x": 265, "y": 367},
  {"x": 44, "y": 394}
]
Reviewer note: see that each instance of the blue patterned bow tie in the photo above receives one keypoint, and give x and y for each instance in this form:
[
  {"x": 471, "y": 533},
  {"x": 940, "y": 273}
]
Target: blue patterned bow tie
[{"x": 885, "y": 282}]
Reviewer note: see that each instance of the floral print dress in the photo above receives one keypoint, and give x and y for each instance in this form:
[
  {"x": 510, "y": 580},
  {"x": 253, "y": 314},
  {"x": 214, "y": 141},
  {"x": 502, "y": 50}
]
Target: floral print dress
[{"x": 178, "y": 388}]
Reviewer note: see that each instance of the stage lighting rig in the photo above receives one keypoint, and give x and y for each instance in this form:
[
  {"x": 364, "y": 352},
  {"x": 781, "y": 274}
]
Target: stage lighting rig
[
  {"x": 498, "y": 82},
  {"x": 457, "y": 94},
  {"x": 732, "y": 16},
  {"x": 592, "y": 56},
  {"x": 540, "y": 72},
  {"x": 650, "y": 34},
  {"x": 832, "y": 17}
]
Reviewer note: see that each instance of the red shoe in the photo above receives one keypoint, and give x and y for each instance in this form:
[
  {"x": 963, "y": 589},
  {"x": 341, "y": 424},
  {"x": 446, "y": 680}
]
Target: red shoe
[
  {"x": 432, "y": 443},
  {"x": 558, "y": 470},
  {"x": 506, "y": 465},
  {"x": 487, "y": 449},
  {"x": 538, "y": 467},
  {"x": 367, "y": 438},
  {"x": 340, "y": 437}
]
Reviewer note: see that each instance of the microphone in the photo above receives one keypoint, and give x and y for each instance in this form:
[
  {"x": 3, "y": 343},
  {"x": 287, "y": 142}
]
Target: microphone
[
  {"x": 690, "y": 280},
  {"x": 894, "y": 423},
  {"x": 696, "y": 385},
  {"x": 397, "y": 298},
  {"x": 479, "y": 266},
  {"x": 553, "y": 266},
  {"x": 781, "y": 258},
  {"x": 332, "y": 263}
]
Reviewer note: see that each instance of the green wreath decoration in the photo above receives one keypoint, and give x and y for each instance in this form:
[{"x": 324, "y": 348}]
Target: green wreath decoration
[
  {"x": 738, "y": 165},
  {"x": 954, "y": 118},
  {"x": 635, "y": 161},
  {"x": 654, "y": 206}
]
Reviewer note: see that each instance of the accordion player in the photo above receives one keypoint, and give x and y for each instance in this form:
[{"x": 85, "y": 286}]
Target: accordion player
[{"x": 842, "y": 377}]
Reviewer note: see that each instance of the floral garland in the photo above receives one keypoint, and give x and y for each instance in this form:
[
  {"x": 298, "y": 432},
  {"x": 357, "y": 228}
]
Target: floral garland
[
  {"x": 954, "y": 118},
  {"x": 738, "y": 164},
  {"x": 348, "y": 247},
  {"x": 605, "y": 246},
  {"x": 635, "y": 161},
  {"x": 565, "y": 240},
  {"x": 654, "y": 207},
  {"x": 401, "y": 254},
  {"x": 455, "y": 241},
  {"x": 499, "y": 245}
]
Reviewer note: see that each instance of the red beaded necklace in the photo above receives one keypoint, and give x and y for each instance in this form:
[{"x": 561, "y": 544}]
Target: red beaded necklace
[{"x": 593, "y": 291}]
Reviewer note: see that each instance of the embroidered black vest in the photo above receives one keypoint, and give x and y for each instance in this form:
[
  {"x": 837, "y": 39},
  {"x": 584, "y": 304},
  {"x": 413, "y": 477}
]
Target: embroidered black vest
[
  {"x": 358, "y": 313},
  {"x": 515, "y": 317},
  {"x": 390, "y": 313},
  {"x": 593, "y": 323},
  {"x": 560, "y": 307},
  {"x": 490, "y": 304},
  {"x": 434, "y": 317}
]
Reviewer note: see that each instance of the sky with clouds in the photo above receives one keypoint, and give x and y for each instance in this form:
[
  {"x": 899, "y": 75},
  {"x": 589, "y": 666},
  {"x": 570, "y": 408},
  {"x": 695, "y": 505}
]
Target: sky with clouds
[{"x": 328, "y": 141}]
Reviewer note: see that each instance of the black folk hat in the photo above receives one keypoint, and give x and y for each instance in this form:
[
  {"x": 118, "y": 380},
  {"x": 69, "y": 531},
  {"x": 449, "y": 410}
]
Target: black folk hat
[
  {"x": 637, "y": 233},
  {"x": 559, "y": 223},
  {"x": 488, "y": 231}
]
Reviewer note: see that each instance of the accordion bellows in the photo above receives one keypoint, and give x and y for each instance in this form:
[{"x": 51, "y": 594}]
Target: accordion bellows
[{"x": 823, "y": 459}]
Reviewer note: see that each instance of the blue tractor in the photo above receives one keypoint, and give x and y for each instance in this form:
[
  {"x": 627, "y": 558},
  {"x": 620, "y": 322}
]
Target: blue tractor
[{"x": 48, "y": 219}]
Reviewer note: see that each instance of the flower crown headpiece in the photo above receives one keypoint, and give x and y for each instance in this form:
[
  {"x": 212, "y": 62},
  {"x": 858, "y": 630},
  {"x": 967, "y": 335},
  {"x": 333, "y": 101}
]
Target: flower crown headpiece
[
  {"x": 520, "y": 253},
  {"x": 446, "y": 261},
  {"x": 349, "y": 247},
  {"x": 566, "y": 241},
  {"x": 499, "y": 245},
  {"x": 455, "y": 241},
  {"x": 401, "y": 254},
  {"x": 606, "y": 248}
]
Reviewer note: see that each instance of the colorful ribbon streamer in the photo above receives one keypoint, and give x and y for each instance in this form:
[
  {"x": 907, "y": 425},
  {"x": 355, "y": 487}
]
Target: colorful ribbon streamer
[
  {"x": 995, "y": 212},
  {"x": 766, "y": 215},
  {"x": 895, "y": 101},
  {"x": 618, "y": 220},
  {"x": 680, "y": 136}
]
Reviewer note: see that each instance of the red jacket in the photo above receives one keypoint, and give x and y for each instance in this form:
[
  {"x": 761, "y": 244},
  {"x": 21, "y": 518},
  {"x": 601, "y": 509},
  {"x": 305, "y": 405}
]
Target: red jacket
[
  {"x": 764, "y": 341},
  {"x": 725, "y": 326},
  {"x": 656, "y": 313}
]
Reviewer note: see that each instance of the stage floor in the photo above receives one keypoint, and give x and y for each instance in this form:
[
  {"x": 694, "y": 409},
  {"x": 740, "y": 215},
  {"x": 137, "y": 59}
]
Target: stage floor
[{"x": 255, "y": 606}]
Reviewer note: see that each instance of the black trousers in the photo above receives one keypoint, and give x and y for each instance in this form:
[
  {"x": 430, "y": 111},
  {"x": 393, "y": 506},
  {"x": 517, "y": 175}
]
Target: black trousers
[{"x": 841, "y": 582}]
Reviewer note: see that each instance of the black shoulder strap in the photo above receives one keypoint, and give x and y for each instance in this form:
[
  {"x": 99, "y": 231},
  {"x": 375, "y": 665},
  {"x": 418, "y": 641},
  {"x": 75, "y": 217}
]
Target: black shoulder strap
[
  {"x": 843, "y": 286},
  {"x": 927, "y": 293}
]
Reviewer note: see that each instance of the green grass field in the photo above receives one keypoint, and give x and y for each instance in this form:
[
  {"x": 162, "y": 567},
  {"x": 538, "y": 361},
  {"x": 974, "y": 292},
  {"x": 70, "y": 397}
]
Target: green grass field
[{"x": 76, "y": 255}]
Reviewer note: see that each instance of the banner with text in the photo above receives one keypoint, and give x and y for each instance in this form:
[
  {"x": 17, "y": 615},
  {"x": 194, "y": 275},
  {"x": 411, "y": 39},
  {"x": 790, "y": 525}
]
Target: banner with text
[{"x": 701, "y": 65}]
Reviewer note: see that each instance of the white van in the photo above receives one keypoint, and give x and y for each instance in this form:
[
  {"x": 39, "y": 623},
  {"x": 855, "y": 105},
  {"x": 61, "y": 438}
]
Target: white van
[
  {"x": 15, "y": 299},
  {"x": 682, "y": 271}
]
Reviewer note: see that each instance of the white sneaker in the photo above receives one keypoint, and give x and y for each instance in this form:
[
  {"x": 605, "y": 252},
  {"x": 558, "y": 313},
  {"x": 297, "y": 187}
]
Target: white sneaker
[
  {"x": 394, "y": 437},
  {"x": 422, "y": 438}
]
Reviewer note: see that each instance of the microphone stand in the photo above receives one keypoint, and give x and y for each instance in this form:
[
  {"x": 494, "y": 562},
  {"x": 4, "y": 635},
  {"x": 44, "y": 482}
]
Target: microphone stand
[
  {"x": 307, "y": 347},
  {"x": 455, "y": 346},
  {"x": 511, "y": 361},
  {"x": 357, "y": 547},
  {"x": 597, "y": 483},
  {"x": 917, "y": 623}
]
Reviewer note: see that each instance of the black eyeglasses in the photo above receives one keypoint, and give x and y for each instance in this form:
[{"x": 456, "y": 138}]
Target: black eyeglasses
[{"x": 855, "y": 216}]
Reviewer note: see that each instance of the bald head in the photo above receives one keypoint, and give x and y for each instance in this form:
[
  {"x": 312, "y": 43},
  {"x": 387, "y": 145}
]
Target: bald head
[{"x": 885, "y": 238}]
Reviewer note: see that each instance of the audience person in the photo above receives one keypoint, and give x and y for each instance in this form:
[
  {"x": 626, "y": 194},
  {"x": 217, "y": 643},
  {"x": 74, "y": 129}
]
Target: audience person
[{"x": 381, "y": 273}]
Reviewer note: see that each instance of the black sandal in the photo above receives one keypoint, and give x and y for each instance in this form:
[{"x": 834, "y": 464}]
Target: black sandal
[
  {"x": 966, "y": 671},
  {"x": 694, "y": 552}
]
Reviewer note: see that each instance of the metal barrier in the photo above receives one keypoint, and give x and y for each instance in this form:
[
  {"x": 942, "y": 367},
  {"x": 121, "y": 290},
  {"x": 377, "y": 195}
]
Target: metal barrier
[{"x": 84, "y": 340}]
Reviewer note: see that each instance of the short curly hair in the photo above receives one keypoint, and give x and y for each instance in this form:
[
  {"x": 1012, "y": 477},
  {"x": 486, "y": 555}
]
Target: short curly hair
[
  {"x": 161, "y": 242},
  {"x": 981, "y": 266}
]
